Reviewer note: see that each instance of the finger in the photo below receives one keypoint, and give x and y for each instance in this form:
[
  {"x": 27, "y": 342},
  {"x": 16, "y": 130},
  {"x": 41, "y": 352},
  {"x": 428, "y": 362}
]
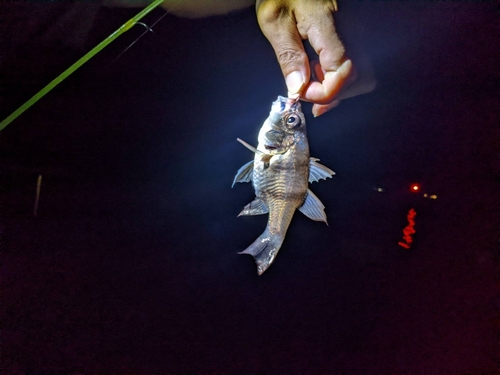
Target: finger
[
  {"x": 317, "y": 74},
  {"x": 327, "y": 44},
  {"x": 278, "y": 25},
  {"x": 361, "y": 81},
  {"x": 358, "y": 83},
  {"x": 324, "y": 92},
  {"x": 318, "y": 26},
  {"x": 319, "y": 109}
]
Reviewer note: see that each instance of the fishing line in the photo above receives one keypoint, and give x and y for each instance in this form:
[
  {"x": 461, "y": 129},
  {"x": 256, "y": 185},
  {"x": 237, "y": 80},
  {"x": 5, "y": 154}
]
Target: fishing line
[
  {"x": 94, "y": 51},
  {"x": 148, "y": 29}
]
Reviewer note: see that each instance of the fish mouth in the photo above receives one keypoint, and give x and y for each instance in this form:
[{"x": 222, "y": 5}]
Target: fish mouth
[
  {"x": 282, "y": 103},
  {"x": 271, "y": 147},
  {"x": 286, "y": 104}
]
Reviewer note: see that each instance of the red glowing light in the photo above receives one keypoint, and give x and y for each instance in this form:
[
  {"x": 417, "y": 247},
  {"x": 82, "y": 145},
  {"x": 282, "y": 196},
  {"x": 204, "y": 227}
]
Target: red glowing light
[
  {"x": 409, "y": 230},
  {"x": 415, "y": 188},
  {"x": 403, "y": 244}
]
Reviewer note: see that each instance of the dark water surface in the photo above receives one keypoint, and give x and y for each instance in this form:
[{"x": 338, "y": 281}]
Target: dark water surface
[{"x": 131, "y": 266}]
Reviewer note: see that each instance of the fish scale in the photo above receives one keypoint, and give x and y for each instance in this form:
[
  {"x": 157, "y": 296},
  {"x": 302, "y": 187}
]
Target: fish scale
[{"x": 280, "y": 173}]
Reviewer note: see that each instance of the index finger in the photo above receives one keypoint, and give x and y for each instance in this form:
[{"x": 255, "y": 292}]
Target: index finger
[{"x": 327, "y": 44}]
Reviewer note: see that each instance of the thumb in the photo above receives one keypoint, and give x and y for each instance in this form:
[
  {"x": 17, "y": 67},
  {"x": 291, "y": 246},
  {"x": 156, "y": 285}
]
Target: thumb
[{"x": 278, "y": 25}]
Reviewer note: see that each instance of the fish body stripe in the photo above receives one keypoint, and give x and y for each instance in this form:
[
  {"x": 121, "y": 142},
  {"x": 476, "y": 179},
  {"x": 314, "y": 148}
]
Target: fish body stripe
[{"x": 282, "y": 185}]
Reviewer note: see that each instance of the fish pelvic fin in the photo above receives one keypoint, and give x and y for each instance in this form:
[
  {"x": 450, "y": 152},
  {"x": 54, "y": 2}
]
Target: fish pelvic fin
[
  {"x": 264, "y": 250},
  {"x": 255, "y": 207}
]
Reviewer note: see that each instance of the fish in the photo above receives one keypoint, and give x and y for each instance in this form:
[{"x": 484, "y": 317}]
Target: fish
[{"x": 280, "y": 173}]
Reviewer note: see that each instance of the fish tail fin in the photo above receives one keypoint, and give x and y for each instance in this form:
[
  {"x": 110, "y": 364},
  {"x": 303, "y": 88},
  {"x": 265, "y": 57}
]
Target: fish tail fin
[{"x": 264, "y": 250}]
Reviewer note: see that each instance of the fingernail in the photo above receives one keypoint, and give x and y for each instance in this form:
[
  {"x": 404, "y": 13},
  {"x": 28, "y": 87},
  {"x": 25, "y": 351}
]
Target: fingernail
[
  {"x": 319, "y": 110},
  {"x": 343, "y": 70},
  {"x": 294, "y": 82},
  {"x": 315, "y": 112}
]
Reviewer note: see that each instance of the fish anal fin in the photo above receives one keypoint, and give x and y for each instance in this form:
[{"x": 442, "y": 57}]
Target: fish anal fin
[
  {"x": 244, "y": 174},
  {"x": 255, "y": 207},
  {"x": 313, "y": 208},
  {"x": 318, "y": 171}
]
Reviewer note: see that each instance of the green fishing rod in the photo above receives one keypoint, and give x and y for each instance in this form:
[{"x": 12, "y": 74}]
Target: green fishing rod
[{"x": 94, "y": 51}]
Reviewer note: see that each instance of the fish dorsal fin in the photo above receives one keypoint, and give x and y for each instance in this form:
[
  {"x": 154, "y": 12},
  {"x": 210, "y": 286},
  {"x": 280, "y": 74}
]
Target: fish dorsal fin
[
  {"x": 244, "y": 174},
  {"x": 255, "y": 207},
  {"x": 313, "y": 208},
  {"x": 318, "y": 171}
]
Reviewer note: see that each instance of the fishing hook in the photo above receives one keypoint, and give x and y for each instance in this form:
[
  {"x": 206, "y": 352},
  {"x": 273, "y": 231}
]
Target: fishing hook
[
  {"x": 145, "y": 26},
  {"x": 148, "y": 29}
]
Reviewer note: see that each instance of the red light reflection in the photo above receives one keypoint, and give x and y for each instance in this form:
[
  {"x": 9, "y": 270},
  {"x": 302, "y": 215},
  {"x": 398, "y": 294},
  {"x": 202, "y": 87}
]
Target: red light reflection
[{"x": 409, "y": 230}]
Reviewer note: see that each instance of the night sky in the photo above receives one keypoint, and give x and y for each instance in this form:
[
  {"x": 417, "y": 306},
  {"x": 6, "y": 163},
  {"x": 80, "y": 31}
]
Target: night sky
[{"x": 131, "y": 265}]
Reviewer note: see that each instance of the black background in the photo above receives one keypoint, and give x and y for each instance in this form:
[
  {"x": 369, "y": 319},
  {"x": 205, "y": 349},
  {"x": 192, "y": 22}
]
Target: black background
[{"x": 131, "y": 264}]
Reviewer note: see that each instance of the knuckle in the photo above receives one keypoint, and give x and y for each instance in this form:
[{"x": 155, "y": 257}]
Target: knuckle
[
  {"x": 290, "y": 57},
  {"x": 269, "y": 11}
]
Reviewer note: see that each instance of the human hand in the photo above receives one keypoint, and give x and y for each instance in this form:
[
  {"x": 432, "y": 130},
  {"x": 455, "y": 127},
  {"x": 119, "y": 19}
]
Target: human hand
[{"x": 285, "y": 23}]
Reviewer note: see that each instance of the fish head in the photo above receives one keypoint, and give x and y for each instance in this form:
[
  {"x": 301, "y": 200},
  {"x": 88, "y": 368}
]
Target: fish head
[{"x": 285, "y": 126}]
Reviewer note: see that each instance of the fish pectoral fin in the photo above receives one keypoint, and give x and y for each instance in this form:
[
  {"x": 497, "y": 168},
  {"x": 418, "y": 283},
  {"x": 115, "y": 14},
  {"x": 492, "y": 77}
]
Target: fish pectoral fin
[
  {"x": 313, "y": 208},
  {"x": 255, "y": 207},
  {"x": 318, "y": 171},
  {"x": 244, "y": 174}
]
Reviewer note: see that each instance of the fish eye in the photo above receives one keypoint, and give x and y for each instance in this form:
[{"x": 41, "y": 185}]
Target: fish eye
[{"x": 292, "y": 121}]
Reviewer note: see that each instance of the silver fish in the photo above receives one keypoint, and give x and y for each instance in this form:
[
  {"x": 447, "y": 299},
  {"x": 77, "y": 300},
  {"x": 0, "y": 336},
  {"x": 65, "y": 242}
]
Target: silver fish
[{"x": 280, "y": 173}]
